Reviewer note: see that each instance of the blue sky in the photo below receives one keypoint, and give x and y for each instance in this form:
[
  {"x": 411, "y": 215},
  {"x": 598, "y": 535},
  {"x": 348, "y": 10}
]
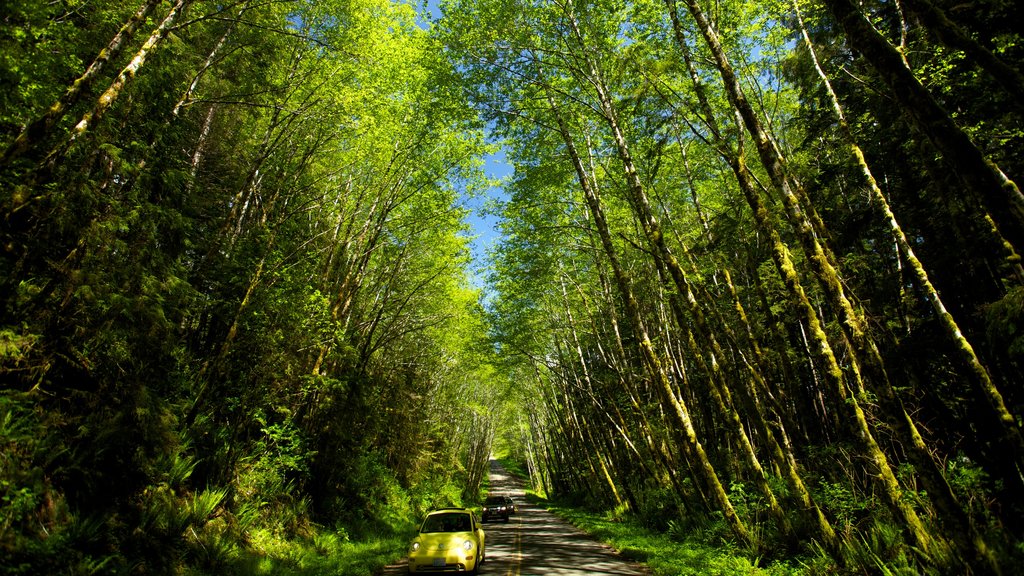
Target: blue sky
[
  {"x": 484, "y": 233},
  {"x": 484, "y": 227}
]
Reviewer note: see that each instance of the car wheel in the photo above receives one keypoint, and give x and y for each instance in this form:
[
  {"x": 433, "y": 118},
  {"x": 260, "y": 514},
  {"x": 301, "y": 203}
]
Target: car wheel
[{"x": 476, "y": 566}]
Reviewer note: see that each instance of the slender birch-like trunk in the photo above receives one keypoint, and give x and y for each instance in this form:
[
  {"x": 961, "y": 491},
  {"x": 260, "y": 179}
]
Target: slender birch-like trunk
[
  {"x": 961, "y": 527},
  {"x": 111, "y": 94},
  {"x": 824, "y": 271},
  {"x": 37, "y": 130},
  {"x": 999, "y": 194},
  {"x": 677, "y": 410}
]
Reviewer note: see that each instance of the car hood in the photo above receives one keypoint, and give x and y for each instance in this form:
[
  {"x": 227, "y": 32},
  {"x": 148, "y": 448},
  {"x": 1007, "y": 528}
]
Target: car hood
[{"x": 434, "y": 540}]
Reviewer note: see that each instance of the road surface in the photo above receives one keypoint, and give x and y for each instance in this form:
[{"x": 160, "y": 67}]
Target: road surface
[{"x": 535, "y": 542}]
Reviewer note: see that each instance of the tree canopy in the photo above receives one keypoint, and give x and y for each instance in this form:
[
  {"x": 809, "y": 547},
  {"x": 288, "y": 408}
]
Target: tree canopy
[{"x": 758, "y": 274}]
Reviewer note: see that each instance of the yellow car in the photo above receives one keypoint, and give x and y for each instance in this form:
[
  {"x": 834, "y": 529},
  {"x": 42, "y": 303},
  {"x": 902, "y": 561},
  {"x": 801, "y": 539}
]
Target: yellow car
[{"x": 449, "y": 540}]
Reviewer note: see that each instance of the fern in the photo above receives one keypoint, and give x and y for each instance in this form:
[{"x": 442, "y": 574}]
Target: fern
[{"x": 204, "y": 503}]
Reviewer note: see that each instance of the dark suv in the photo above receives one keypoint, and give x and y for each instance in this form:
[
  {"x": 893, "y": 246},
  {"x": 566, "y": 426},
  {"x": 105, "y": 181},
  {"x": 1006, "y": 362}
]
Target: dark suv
[{"x": 495, "y": 507}]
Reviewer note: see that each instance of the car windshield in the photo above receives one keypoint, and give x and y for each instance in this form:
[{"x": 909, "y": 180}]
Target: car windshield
[
  {"x": 495, "y": 500},
  {"x": 454, "y": 522}
]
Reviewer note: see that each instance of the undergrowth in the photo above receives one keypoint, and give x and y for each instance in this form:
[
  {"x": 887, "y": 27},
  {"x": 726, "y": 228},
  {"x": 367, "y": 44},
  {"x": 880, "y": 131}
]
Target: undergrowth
[
  {"x": 260, "y": 522},
  {"x": 324, "y": 551},
  {"x": 678, "y": 551}
]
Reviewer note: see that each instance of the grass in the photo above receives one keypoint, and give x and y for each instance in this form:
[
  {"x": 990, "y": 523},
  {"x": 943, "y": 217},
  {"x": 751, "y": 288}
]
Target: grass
[
  {"x": 514, "y": 467},
  {"x": 324, "y": 552},
  {"x": 677, "y": 553},
  {"x": 674, "y": 555}
]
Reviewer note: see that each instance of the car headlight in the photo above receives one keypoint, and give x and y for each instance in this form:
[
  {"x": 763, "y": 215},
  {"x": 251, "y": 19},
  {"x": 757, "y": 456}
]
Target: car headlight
[
  {"x": 415, "y": 546},
  {"x": 467, "y": 545}
]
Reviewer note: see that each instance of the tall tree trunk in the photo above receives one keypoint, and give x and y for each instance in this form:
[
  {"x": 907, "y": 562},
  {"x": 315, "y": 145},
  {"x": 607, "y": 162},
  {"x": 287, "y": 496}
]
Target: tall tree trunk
[
  {"x": 853, "y": 325},
  {"x": 37, "y": 130},
  {"x": 961, "y": 527},
  {"x": 782, "y": 452},
  {"x": 652, "y": 230},
  {"x": 1000, "y": 195},
  {"x": 976, "y": 370},
  {"x": 677, "y": 410},
  {"x": 938, "y": 23},
  {"x": 107, "y": 99}
]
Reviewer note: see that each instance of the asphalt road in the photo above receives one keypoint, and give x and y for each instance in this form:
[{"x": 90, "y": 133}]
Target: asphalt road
[{"x": 535, "y": 542}]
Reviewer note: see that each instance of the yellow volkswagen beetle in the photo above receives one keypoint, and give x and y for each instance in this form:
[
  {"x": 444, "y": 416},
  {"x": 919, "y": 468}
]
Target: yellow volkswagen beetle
[{"x": 449, "y": 540}]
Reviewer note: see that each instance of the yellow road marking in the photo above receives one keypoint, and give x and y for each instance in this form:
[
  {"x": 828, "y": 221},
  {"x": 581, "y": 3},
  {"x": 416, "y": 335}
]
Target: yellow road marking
[{"x": 517, "y": 548}]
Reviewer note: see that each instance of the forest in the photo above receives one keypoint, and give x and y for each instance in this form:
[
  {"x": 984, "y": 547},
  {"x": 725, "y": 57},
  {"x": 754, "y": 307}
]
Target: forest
[{"x": 757, "y": 281}]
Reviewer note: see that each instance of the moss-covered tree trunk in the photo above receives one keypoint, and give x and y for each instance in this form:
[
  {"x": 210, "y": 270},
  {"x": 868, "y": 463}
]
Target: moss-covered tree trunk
[
  {"x": 999, "y": 194},
  {"x": 677, "y": 410},
  {"x": 962, "y": 529},
  {"x": 866, "y": 352},
  {"x": 37, "y": 130},
  {"x": 718, "y": 386},
  {"x": 113, "y": 92},
  {"x": 782, "y": 453}
]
